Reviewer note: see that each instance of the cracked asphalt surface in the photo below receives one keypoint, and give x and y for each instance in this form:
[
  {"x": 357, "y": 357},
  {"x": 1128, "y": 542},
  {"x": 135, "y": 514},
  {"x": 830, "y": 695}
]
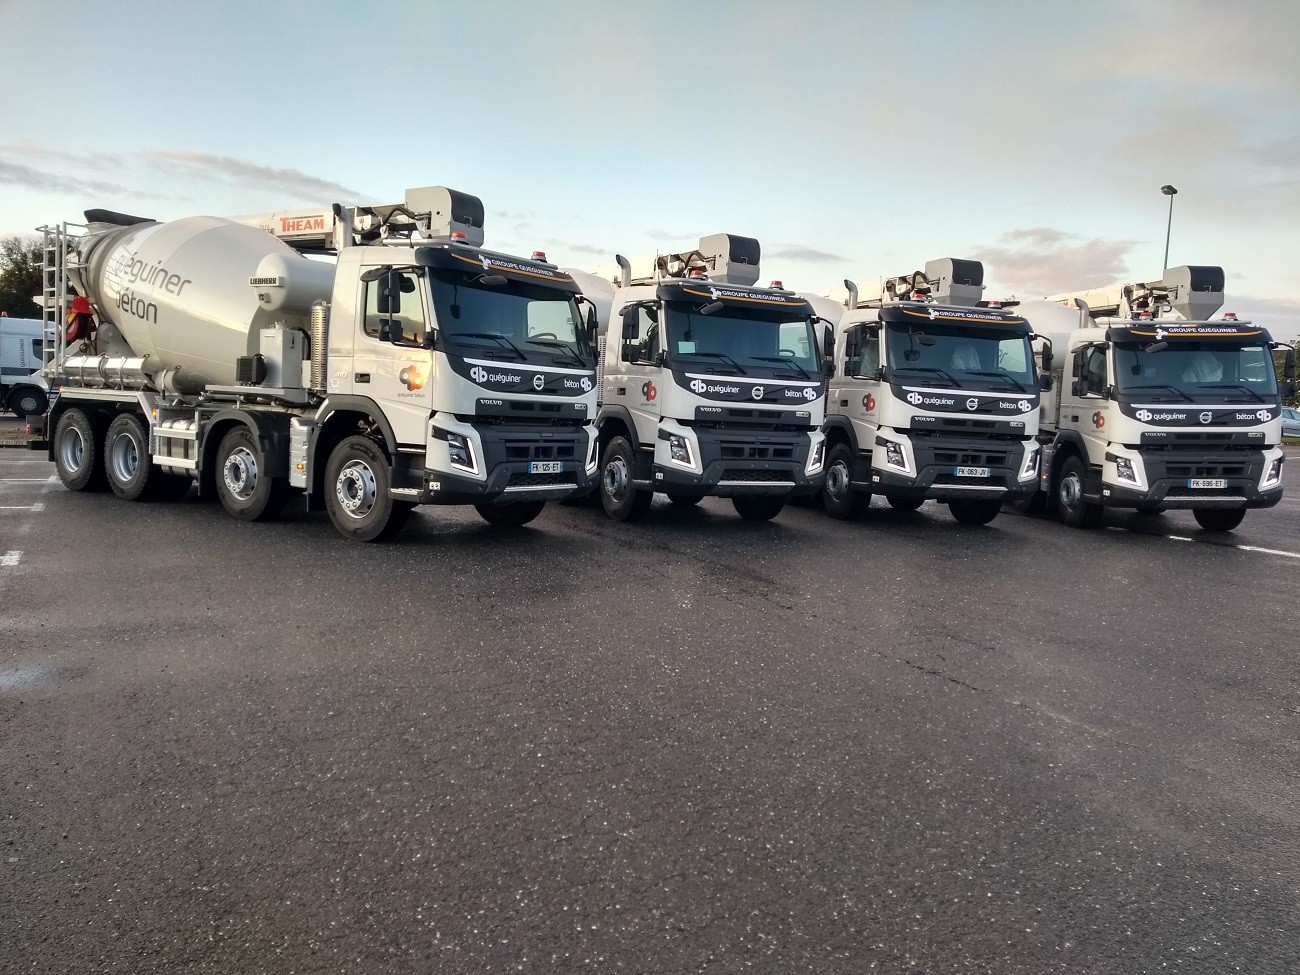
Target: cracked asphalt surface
[{"x": 694, "y": 744}]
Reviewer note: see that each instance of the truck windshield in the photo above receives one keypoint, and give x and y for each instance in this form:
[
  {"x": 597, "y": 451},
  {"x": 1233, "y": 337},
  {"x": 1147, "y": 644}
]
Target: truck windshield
[
  {"x": 1206, "y": 372},
  {"x": 741, "y": 342},
  {"x": 513, "y": 320},
  {"x": 966, "y": 357}
]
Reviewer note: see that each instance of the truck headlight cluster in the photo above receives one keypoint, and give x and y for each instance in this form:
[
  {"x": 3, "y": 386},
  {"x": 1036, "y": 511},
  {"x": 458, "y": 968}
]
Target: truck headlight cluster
[
  {"x": 593, "y": 455},
  {"x": 815, "y": 457},
  {"x": 679, "y": 450},
  {"x": 1124, "y": 470},
  {"x": 1029, "y": 470},
  {"x": 460, "y": 452},
  {"x": 1274, "y": 474},
  {"x": 894, "y": 456}
]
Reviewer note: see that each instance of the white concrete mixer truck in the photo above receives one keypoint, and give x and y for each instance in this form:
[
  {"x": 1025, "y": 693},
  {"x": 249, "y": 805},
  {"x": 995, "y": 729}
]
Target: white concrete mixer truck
[{"x": 416, "y": 368}]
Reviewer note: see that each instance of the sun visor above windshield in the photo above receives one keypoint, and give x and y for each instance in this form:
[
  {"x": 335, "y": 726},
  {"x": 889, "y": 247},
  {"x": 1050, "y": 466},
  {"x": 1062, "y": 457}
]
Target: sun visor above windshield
[
  {"x": 456, "y": 257},
  {"x": 908, "y": 313},
  {"x": 705, "y": 292},
  {"x": 1234, "y": 333}
]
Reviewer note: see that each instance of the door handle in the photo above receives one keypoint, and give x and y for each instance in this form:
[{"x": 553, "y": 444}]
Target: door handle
[{"x": 363, "y": 377}]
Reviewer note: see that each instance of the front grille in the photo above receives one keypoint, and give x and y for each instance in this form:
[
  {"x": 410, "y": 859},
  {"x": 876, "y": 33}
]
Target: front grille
[
  {"x": 766, "y": 476},
  {"x": 531, "y": 450},
  {"x": 965, "y": 458},
  {"x": 538, "y": 480},
  {"x": 1205, "y": 470},
  {"x": 749, "y": 451}
]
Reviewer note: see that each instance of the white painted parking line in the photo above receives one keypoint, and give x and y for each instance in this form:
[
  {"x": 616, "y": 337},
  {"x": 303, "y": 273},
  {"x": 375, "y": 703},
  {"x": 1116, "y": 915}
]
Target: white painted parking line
[
  {"x": 36, "y": 508},
  {"x": 1185, "y": 538},
  {"x": 26, "y": 480},
  {"x": 10, "y": 558},
  {"x": 1268, "y": 551}
]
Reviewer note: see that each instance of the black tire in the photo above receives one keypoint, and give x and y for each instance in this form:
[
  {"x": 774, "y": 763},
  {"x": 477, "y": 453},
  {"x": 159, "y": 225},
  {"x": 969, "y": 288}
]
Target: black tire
[
  {"x": 130, "y": 470},
  {"x": 244, "y": 483},
  {"x": 27, "y": 401},
  {"x": 79, "y": 451},
  {"x": 1218, "y": 519},
  {"x": 839, "y": 498},
  {"x": 975, "y": 512},
  {"x": 758, "y": 507},
  {"x": 904, "y": 504},
  {"x": 357, "y": 492},
  {"x": 620, "y": 499},
  {"x": 510, "y": 515},
  {"x": 685, "y": 500},
  {"x": 1071, "y": 506}
]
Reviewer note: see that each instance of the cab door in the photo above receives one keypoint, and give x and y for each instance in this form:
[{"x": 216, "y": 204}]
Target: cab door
[
  {"x": 390, "y": 364},
  {"x": 1085, "y": 411},
  {"x": 858, "y": 394}
]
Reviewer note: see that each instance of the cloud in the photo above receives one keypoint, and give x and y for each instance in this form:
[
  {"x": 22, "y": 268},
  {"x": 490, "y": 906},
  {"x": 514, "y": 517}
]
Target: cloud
[
  {"x": 228, "y": 169},
  {"x": 674, "y": 236},
  {"x": 18, "y": 174},
  {"x": 1043, "y": 260},
  {"x": 810, "y": 254},
  {"x": 585, "y": 249}
]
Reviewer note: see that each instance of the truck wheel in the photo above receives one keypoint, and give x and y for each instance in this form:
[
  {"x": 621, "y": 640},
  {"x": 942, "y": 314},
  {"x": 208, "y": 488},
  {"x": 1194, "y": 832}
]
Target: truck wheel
[
  {"x": 356, "y": 492},
  {"x": 621, "y": 500},
  {"x": 27, "y": 401},
  {"x": 839, "y": 497},
  {"x": 758, "y": 507},
  {"x": 79, "y": 451},
  {"x": 904, "y": 504},
  {"x": 244, "y": 482},
  {"x": 685, "y": 500},
  {"x": 510, "y": 515},
  {"x": 1218, "y": 519},
  {"x": 130, "y": 471},
  {"x": 975, "y": 512},
  {"x": 1073, "y": 508}
]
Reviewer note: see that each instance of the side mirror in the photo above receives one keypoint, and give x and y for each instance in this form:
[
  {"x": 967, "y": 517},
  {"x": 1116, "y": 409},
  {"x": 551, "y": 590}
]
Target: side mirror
[
  {"x": 631, "y": 352},
  {"x": 593, "y": 325},
  {"x": 1288, "y": 366},
  {"x": 1047, "y": 358},
  {"x": 1076, "y": 387},
  {"x": 629, "y": 323},
  {"x": 828, "y": 344},
  {"x": 389, "y": 301},
  {"x": 828, "y": 368},
  {"x": 1045, "y": 382},
  {"x": 389, "y": 330}
]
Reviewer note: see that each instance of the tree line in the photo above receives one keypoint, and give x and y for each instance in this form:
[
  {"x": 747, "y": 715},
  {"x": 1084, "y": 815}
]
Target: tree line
[{"x": 20, "y": 277}]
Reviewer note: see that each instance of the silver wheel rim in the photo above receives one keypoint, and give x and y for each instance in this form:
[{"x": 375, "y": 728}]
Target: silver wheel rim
[
  {"x": 1071, "y": 490},
  {"x": 615, "y": 478},
  {"x": 240, "y": 473},
  {"x": 124, "y": 457},
  {"x": 27, "y": 405},
  {"x": 356, "y": 489},
  {"x": 837, "y": 480},
  {"x": 72, "y": 450}
]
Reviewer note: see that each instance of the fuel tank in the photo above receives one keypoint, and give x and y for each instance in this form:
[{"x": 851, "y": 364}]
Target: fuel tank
[{"x": 191, "y": 294}]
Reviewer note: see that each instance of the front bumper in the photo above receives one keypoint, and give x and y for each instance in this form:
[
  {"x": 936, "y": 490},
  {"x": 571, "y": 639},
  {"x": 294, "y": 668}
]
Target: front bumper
[
  {"x": 1164, "y": 475},
  {"x": 735, "y": 462},
  {"x": 931, "y": 468}
]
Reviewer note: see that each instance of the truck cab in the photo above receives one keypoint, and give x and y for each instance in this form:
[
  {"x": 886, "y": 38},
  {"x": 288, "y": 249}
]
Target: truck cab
[
  {"x": 22, "y": 391},
  {"x": 935, "y": 396},
  {"x": 708, "y": 385}
]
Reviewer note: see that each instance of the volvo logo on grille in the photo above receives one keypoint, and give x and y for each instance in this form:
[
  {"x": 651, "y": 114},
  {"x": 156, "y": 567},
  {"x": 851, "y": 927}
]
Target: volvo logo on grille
[
  {"x": 972, "y": 404},
  {"x": 539, "y": 381},
  {"x": 1206, "y": 417},
  {"x": 756, "y": 392}
]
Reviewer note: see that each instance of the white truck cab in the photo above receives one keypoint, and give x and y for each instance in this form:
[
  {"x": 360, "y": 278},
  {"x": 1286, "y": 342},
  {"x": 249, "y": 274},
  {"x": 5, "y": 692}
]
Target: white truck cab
[{"x": 22, "y": 390}]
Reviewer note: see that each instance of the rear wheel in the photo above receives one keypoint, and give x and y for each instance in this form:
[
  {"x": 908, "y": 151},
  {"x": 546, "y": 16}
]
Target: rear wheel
[
  {"x": 1219, "y": 519},
  {"x": 758, "y": 507},
  {"x": 79, "y": 451},
  {"x": 621, "y": 500},
  {"x": 244, "y": 482},
  {"x": 905, "y": 504},
  {"x": 357, "y": 492},
  {"x": 975, "y": 512},
  {"x": 130, "y": 471},
  {"x": 685, "y": 500},
  {"x": 839, "y": 497},
  {"x": 1075, "y": 510},
  {"x": 27, "y": 401},
  {"x": 510, "y": 515}
]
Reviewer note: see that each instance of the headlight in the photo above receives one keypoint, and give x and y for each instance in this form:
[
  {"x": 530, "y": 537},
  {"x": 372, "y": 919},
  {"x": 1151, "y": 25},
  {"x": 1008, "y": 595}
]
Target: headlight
[
  {"x": 593, "y": 455},
  {"x": 1274, "y": 474},
  {"x": 894, "y": 456},
  {"x": 1029, "y": 470},
  {"x": 1124, "y": 470},
  {"x": 460, "y": 452},
  {"x": 679, "y": 450},
  {"x": 815, "y": 457}
]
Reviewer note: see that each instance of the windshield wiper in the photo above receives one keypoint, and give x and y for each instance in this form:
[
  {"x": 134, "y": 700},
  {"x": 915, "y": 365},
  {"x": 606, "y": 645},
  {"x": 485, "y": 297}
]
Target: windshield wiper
[
  {"x": 721, "y": 355},
  {"x": 1163, "y": 386},
  {"x": 490, "y": 335},
  {"x": 1244, "y": 389},
  {"x": 1001, "y": 374},
  {"x": 784, "y": 361},
  {"x": 929, "y": 369},
  {"x": 560, "y": 344}
]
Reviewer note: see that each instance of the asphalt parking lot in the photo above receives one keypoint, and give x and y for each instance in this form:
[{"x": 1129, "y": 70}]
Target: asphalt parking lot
[{"x": 693, "y": 744}]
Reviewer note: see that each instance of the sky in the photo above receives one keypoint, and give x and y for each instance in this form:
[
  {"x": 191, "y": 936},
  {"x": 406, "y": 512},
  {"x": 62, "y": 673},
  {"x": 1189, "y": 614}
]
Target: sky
[{"x": 853, "y": 139}]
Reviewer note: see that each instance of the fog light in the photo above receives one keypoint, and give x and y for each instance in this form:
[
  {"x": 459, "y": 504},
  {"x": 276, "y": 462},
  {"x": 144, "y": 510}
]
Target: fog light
[
  {"x": 894, "y": 456},
  {"x": 460, "y": 453},
  {"x": 1029, "y": 470},
  {"x": 1124, "y": 470},
  {"x": 679, "y": 450},
  {"x": 815, "y": 457},
  {"x": 1274, "y": 474}
]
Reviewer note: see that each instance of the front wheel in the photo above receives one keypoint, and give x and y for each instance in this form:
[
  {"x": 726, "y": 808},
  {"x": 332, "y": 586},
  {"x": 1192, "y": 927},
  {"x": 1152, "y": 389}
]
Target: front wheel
[
  {"x": 510, "y": 515},
  {"x": 839, "y": 497},
  {"x": 975, "y": 512},
  {"x": 1074, "y": 509},
  {"x": 1218, "y": 519},
  {"x": 357, "y": 492},
  {"x": 27, "y": 401},
  {"x": 622, "y": 501},
  {"x": 245, "y": 486},
  {"x": 758, "y": 507},
  {"x": 904, "y": 504}
]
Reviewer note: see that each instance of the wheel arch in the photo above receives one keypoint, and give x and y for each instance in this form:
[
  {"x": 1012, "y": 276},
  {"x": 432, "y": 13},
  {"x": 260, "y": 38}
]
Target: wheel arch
[{"x": 270, "y": 429}]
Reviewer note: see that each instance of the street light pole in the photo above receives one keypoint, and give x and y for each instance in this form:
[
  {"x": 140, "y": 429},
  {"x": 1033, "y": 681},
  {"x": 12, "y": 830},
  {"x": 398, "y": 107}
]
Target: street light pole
[{"x": 1170, "y": 192}]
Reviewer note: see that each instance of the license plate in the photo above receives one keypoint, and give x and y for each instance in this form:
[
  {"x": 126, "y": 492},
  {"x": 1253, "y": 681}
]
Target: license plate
[
  {"x": 1206, "y": 482},
  {"x": 545, "y": 467},
  {"x": 972, "y": 472}
]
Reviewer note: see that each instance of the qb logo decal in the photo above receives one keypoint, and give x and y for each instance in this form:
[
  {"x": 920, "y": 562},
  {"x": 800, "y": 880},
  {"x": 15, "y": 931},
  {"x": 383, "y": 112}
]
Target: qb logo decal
[
  {"x": 869, "y": 402},
  {"x": 649, "y": 391},
  {"x": 478, "y": 374},
  {"x": 1098, "y": 420},
  {"x": 698, "y": 385},
  {"x": 412, "y": 378}
]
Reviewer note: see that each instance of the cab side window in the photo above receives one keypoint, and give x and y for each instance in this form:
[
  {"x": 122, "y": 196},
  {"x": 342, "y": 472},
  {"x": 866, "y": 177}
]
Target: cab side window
[
  {"x": 1095, "y": 378},
  {"x": 862, "y": 353},
  {"x": 409, "y": 315},
  {"x": 647, "y": 333}
]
